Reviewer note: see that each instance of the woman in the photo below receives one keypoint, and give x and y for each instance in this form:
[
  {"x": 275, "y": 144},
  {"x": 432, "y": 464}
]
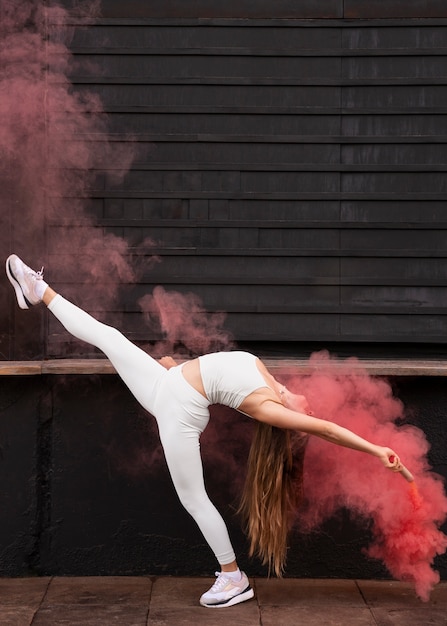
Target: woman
[{"x": 178, "y": 396}]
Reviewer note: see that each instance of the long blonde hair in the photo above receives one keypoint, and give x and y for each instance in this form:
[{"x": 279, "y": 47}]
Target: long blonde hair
[{"x": 272, "y": 493}]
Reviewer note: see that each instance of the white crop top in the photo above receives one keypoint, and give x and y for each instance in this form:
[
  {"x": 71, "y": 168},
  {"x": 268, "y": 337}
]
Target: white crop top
[{"x": 229, "y": 377}]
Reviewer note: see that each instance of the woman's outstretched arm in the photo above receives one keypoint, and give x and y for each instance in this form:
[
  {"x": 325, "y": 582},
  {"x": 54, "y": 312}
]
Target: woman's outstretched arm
[
  {"x": 264, "y": 407},
  {"x": 280, "y": 407}
]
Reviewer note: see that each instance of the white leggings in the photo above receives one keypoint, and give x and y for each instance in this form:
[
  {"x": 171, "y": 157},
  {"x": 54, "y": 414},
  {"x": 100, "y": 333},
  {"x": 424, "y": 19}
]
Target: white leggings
[{"x": 181, "y": 413}]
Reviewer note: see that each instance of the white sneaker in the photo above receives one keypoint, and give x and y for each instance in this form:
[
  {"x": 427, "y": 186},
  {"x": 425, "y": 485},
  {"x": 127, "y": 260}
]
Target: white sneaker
[
  {"x": 28, "y": 284},
  {"x": 227, "y": 592}
]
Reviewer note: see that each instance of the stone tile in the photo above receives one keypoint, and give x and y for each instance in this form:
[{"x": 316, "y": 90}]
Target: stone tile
[
  {"x": 410, "y": 617},
  {"x": 17, "y": 615},
  {"x": 91, "y": 615},
  {"x": 245, "y": 614},
  {"x": 182, "y": 592},
  {"x": 99, "y": 590},
  {"x": 22, "y": 591},
  {"x": 316, "y": 616},
  {"x": 439, "y": 595},
  {"x": 304, "y": 592},
  {"x": 394, "y": 594},
  {"x": 176, "y": 601}
]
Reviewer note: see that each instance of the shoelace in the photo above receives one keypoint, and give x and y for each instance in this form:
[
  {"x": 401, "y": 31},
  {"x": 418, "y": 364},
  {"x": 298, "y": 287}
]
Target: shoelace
[
  {"x": 220, "y": 582},
  {"x": 37, "y": 275}
]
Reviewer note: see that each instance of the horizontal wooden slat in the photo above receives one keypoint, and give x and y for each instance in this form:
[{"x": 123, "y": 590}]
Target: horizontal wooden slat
[
  {"x": 210, "y": 50},
  {"x": 303, "y": 249},
  {"x": 381, "y": 167},
  {"x": 375, "y": 367},
  {"x": 318, "y": 109},
  {"x": 177, "y": 98},
  {"x": 386, "y": 136},
  {"x": 278, "y": 195},
  {"x": 394, "y": 8},
  {"x": 242, "y": 23},
  {"x": 292, "y": 9},
  {"x": 342, "y": 225},
  {"x": 229, "y": 9},
  {"x": 215, "y": 79},
  {"x": 168, "y": 35}
]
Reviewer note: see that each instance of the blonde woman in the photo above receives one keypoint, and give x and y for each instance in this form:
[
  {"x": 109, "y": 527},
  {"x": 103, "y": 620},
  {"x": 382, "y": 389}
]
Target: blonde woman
[{"x": 178, "y": 396}]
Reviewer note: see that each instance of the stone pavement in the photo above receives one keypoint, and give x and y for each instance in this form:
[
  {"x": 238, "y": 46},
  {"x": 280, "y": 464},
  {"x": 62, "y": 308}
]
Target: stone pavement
[{"x": 166, "y": 601}]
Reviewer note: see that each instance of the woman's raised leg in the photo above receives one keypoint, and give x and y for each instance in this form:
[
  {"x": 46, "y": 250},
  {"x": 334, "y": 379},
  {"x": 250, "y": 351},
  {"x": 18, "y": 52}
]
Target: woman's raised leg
[{"x": 139, "y": 371}]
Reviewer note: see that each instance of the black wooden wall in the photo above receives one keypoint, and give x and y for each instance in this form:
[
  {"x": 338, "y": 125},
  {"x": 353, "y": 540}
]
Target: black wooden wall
[{"x": 291, "y": 164}]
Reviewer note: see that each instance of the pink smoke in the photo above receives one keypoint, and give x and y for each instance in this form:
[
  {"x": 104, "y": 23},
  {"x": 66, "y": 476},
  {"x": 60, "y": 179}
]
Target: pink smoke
[
  {"x": 185, "y": 323},
  {"x": 406, "y": 523},
  {"x": 55, "y": 150},
  {"x": 57, "y": 155}
]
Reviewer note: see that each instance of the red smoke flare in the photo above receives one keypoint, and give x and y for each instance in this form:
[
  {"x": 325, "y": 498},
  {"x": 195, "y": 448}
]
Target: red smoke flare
[{"x": 406, "y": 522}]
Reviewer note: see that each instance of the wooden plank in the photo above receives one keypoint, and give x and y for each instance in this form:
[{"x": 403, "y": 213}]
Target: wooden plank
[
  {"x": 220, "y": 167},
  {"x": 20, "y": 368},
  {"x": 367, "y": 9},
  {"x": 432, "y": 328},
  {"x": 78, "y": 366},
  {"x": 407, "y": 156},
  {"x": 214, "y": 9},
  {"x": 398, "y": 69},
  {"x": 183, "y": 123},
  {"x": 297, "y": 52},
  {"x": 204, "y": 38},
  {"x": 92, "y": 75},
  {"x": 401, "y": 36},
  {"x": 331, "y": 24},
  {"x": 398, "y": 298},
  {"x": 200, "y": 96},
  {"x": 377, "y": 367},
  {"x": 218, "y": 69},
  {"x": 377, "y": 271},
  {"x": 373, "y": 367}
]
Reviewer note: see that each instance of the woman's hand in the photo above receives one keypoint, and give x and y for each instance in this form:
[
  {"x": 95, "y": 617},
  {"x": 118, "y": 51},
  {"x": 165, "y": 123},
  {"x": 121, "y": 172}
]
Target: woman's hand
[
  {"x": 167, "y": 362},
  {"x": 389, "y": 458},
  {"x": 393, "y": 462},
  {"x": 294, "y": 401}
]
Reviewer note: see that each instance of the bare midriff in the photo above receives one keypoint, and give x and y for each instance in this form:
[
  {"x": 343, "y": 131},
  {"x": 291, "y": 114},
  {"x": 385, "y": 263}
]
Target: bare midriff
[{"x": 192, "y": 375}]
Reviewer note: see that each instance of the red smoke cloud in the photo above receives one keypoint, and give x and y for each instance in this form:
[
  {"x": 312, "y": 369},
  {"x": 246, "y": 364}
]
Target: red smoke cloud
[{"x": 406, "y": 524}]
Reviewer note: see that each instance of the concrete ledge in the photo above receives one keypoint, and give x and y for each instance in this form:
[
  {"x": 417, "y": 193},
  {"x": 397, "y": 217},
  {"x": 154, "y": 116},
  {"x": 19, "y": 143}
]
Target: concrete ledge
[{"x": 375, "y": 367}]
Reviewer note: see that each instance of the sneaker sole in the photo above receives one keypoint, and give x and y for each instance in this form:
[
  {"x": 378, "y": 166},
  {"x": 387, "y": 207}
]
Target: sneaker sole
[
  {"x": 22, "y": 301},
  {"x": 241, "y": 597}
]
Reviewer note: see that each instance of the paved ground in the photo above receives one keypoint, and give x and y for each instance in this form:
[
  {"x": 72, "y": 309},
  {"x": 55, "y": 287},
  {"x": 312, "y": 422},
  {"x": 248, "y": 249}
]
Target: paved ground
[{"x": 164, "y": 601}]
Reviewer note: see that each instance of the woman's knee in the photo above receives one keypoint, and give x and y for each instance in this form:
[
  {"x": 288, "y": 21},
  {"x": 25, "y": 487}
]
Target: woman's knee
[
  {"x": 112, "y": 333},
  {"x": 194, "y": 500},
  {"x": 109, "y": 339}
]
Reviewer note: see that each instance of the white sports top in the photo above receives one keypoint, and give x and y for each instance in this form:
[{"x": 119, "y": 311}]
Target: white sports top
[{"x": 229, "y": 377}]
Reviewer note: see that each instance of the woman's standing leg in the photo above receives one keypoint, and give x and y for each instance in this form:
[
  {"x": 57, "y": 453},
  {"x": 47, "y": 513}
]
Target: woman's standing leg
[{"x": 182, "y": 415}]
